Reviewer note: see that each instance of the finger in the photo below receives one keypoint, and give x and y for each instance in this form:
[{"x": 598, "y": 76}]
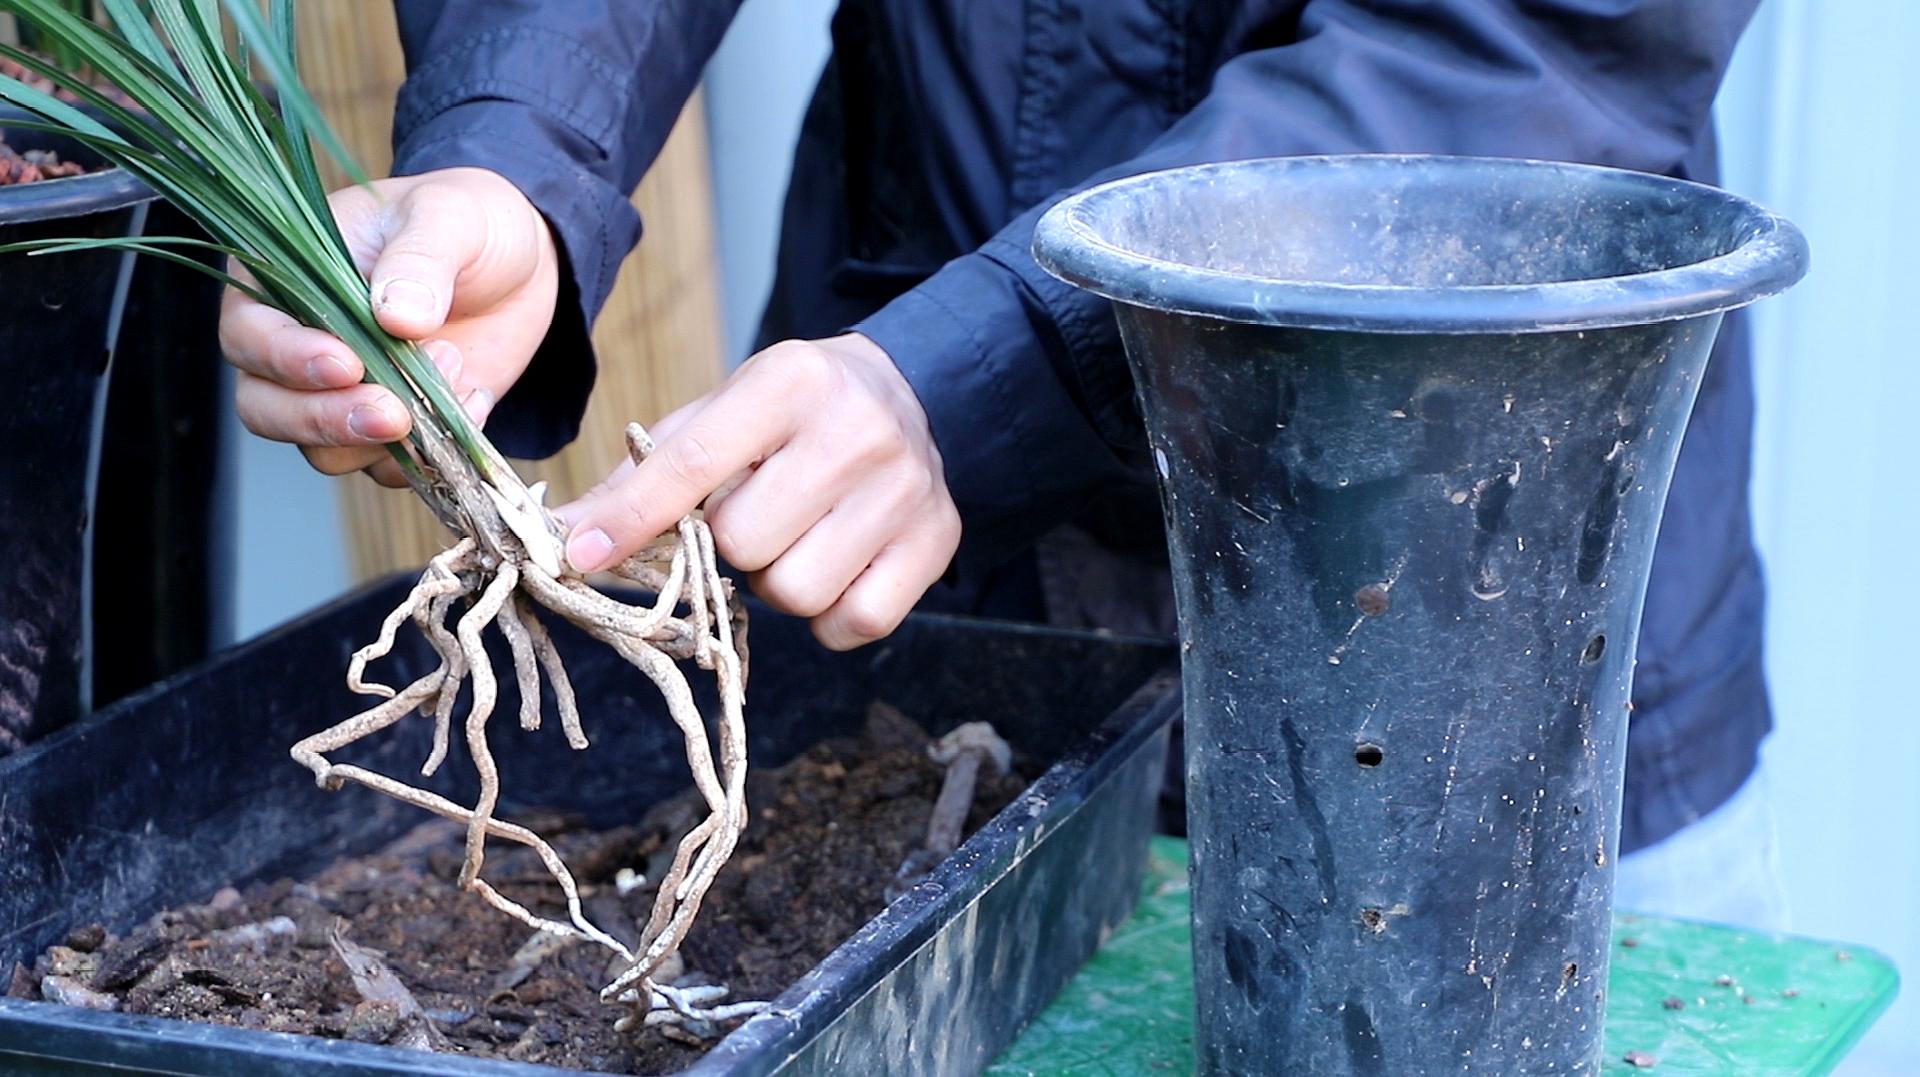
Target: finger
[
  {"x": 448, "y": 359},
  {"x": 379, "y": 464},
  {"x": 725, "y": 490},
  {"x": 356, "y": 416},
  {"x": 665, "y": 427},
  {"x": 478, "y": 404},
  {"x": 328, "y": 460},
  {"x": 571, "y": 513},
  {"x": 819, "y": 566},
  {"x": 745, "y": 422},
  {"x": 437, "y": 230},
  {"x": 268, "y": 343},
  {"x": 386, "y": 471},
  {"x": 672, "y": 421},
  {"x": 882, "y": 596},
  {"x": 790, "y": 492}
]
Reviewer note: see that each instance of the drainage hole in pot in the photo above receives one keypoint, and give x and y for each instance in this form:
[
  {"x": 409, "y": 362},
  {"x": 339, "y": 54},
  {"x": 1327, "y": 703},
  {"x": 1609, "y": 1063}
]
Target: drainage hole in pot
[
  {"x": 1596, "y": 647},
  {"x": 1373, "y": 920},
  {"x": 1569, "y": 971},
  {"x": 1369, "y": 755}
]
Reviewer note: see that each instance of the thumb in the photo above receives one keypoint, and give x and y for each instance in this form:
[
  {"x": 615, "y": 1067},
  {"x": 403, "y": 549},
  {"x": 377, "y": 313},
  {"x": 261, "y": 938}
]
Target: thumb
[{"x": 432, "y": 239}]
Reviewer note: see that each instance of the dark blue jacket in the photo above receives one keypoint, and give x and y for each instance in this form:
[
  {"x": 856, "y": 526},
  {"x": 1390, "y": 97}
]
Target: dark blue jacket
[{"x": 942, "y": 128}]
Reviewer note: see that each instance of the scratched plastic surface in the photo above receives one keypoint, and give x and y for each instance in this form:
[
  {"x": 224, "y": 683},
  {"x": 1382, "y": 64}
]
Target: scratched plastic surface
[
  {"x": 1130, "y": 1010},
  {"x": 1414, "y": 420}
]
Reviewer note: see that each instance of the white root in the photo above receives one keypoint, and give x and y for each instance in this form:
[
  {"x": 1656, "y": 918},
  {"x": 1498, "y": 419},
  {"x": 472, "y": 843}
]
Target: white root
[
  {"x": 687, "y": 1007},
  {"x": 484, "y": 687},
  {"x": 549, "y": 660},
  {"x": 509, "y": 582},
  {"x": 447, "y": 809},
  {"x": 526, "y": 668},
  {"x": 437, "y": 582}
]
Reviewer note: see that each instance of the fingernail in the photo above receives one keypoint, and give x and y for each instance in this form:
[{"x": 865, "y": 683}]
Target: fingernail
[
  {"x": 446, "y": 358},
  {"x": 328, "y": 372},
  {"x": 589, "y": 550},
  {"x": 407, "y": 298},
  {"x": 479, "y": 404},
  {"x": 368, "y": 421}
]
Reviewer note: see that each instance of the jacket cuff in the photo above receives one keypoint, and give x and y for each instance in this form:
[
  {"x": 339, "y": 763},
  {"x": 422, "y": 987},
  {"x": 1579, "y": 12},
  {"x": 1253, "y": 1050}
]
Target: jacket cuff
[
  {"x": 593, "y": 225},
  {"x": 1018, "y": 456}
]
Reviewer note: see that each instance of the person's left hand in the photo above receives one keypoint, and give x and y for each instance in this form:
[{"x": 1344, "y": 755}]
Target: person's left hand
[
  {"x": 834, "y": 502},
  {"x": 457, "y": 258}
]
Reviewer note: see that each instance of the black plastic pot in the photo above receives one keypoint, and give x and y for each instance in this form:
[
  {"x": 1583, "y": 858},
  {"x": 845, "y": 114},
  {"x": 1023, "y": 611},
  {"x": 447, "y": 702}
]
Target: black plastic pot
[
  {"x": 114, "y": 432},
  {"x": 163, "y": 600},
  {"x": 1415, "y": 420},
  {"x": 186, "y": 787},
  {"x": 59, "y": 317}
]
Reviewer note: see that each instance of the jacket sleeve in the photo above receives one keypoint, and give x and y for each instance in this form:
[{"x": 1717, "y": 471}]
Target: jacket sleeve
[
  {"x": 1022, "y": 376},
  {"x": 571, "y": 101}
]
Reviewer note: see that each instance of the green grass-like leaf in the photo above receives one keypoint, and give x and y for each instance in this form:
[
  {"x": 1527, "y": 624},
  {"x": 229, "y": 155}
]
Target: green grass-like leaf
[{"x": 204, "y": 136}]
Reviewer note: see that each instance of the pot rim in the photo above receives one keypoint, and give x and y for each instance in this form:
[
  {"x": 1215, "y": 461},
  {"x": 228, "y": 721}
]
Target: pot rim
[
  {"x": 70, "y": 196},
  {"x": 1770, "y": 256}
]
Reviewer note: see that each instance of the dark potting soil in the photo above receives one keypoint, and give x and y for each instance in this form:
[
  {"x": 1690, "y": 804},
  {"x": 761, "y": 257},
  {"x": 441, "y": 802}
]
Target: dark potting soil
[{"x": 827, "y": 831}]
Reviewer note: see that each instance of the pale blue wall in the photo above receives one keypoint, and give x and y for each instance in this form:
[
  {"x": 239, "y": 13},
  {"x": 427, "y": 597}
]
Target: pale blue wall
[
  {"x": 1822, "y": 121},
  {"x": 757, "y": 87},
  {"x": 290, "y": 549}
]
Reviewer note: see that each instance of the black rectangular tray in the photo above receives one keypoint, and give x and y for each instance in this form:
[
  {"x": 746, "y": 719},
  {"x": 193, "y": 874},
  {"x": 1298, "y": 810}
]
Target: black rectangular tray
[{"x": 186, "y": 787}]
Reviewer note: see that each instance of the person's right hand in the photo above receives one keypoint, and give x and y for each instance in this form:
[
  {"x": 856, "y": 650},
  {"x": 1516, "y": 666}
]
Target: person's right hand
[{"x": 458, "y": 259}]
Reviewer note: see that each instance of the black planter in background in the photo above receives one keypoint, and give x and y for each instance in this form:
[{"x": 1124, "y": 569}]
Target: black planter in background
[
  {"x": 59, "y": 317},
  {"x": 143, "y": 453},
  {"x": 163, "y": 600}
]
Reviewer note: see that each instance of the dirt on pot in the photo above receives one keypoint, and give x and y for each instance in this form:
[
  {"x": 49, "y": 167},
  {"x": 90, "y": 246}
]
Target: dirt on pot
[{"x": 385, "y": 949}]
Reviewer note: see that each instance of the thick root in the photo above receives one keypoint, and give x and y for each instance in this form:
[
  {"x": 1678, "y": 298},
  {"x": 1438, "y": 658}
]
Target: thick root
[{"x": 697, "y": 616}]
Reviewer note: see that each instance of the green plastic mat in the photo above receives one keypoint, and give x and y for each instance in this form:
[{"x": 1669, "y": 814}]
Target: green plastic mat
[{"x": 1690, "y": 998}]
